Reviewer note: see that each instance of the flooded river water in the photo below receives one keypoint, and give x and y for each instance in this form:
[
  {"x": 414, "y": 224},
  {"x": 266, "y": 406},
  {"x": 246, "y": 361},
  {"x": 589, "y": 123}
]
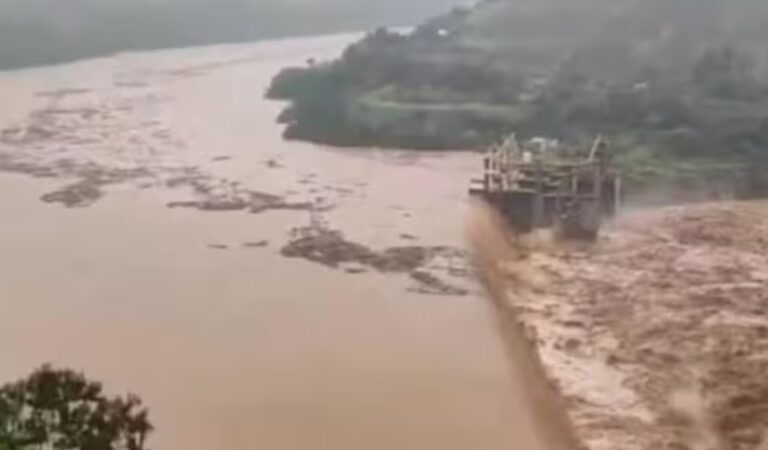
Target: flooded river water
[{"x": 194, "y": 308}]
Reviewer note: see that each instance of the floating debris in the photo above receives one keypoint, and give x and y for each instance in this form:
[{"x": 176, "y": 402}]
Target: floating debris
[{"x": 258, "y": 244}]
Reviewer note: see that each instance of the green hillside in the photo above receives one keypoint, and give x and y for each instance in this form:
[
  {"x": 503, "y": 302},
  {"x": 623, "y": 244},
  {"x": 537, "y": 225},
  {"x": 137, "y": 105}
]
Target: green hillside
[{"x": 673, "y": 83}]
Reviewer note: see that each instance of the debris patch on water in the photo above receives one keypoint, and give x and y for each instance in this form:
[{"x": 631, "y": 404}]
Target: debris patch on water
[
  {"x": 256, "y": 244},
  {"x": 330, "y": 248}
]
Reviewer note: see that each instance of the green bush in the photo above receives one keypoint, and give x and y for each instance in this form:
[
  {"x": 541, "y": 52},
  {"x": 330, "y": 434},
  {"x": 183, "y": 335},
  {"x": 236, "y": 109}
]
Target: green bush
[{"x": 63, "y": 410}]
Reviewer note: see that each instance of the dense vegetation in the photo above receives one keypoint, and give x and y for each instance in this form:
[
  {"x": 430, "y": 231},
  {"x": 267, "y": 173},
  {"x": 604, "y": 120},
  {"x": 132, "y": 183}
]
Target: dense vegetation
[
  {"x": 34, "y": 32},
  {"x": 62, "y": 410},
  {"x": 676, "y": 84}
]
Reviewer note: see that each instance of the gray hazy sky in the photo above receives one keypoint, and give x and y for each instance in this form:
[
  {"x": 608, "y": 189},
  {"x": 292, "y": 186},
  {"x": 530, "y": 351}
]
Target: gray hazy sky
[{"x": 45, "y": 31}]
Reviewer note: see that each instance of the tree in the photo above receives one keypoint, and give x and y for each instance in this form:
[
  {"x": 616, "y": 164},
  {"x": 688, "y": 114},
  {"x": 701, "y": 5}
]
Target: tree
[
  {"x": 61, "y": 409},
  {"x": 726, "y": 73}
]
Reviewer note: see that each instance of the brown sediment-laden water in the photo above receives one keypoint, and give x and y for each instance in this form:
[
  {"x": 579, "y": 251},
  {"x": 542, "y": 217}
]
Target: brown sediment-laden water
[{"x": 158, "y": 233}]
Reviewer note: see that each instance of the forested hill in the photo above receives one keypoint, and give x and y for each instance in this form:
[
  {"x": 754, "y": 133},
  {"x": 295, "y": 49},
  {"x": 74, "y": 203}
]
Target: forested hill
[
  {"x": 672, "y": 82},
  {"x": 34, "y": 32}
]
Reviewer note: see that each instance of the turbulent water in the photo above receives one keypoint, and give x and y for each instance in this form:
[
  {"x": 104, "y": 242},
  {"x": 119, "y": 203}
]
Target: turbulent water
[{"x": 193, "y": 307}]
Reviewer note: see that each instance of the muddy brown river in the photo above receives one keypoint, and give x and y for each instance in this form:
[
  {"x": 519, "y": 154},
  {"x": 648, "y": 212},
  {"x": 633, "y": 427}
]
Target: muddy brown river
[{"x": 194, "y": 307}]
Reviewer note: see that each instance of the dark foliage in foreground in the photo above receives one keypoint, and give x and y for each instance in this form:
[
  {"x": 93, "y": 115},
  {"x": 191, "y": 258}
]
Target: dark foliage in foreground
[{"x": 61, "y": 409}]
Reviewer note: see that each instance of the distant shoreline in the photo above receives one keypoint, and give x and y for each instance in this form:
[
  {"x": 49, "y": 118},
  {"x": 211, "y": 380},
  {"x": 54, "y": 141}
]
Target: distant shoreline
[
  {"x": 56, "y": 61},
  {"x": 36, "y": 33}
]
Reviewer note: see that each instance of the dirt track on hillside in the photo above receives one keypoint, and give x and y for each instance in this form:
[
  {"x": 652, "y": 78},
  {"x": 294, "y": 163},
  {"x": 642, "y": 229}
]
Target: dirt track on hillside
[{"x": 668, "y": 300}]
